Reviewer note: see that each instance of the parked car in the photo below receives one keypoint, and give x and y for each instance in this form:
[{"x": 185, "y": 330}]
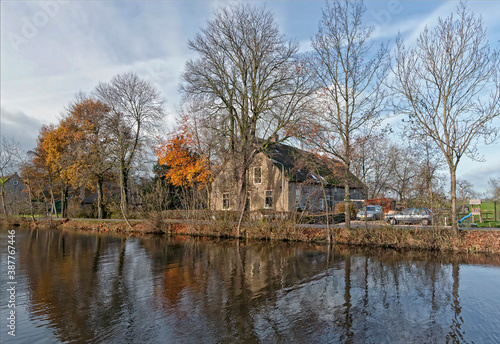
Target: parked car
[
  {"x": 372, "y": 212},
  {"x": 423, "y": 216}
]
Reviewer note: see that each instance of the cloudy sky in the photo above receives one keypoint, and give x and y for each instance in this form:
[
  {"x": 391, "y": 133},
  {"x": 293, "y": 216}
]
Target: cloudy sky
[{"x": 53, "y": 49}]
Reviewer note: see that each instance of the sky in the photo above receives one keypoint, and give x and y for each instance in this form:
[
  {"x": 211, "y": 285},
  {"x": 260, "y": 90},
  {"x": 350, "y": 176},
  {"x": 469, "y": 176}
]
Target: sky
[{"x": 51, "y": 50}]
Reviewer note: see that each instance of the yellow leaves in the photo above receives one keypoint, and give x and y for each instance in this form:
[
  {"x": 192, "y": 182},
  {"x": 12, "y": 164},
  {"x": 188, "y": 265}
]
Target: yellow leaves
[{"x": 70, "y": 149}]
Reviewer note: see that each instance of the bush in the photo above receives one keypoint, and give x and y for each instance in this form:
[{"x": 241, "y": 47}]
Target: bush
[{"x": 340, "y": 208}]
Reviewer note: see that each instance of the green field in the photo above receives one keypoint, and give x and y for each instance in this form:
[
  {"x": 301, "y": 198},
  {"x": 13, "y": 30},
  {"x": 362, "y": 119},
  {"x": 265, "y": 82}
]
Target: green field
[{"x": 488, "y": 211}]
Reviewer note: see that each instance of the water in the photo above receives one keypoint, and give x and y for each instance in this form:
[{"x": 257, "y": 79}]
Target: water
[{"x": 75, "y": 287}]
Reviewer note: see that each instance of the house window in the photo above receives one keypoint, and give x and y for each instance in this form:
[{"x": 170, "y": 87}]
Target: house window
[
  {"x": 328, "y": 201},
  {"x": 257, "y": 175},
  {"x": 269, "y": 199},
  {"x": 225, "y": 201},
  {"x": 322, "y": 204}
]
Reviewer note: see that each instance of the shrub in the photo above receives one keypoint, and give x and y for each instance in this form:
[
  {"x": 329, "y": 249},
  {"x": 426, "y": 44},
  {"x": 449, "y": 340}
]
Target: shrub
[{"x": 340, "y": 208}]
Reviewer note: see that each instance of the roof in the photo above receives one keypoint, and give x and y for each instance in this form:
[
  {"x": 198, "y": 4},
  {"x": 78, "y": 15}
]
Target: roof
[{"x": 302, "y": 166}]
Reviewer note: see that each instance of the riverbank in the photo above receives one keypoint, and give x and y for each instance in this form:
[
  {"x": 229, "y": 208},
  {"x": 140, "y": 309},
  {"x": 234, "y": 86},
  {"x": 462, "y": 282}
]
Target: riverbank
[{"x": 413, "y": 238}]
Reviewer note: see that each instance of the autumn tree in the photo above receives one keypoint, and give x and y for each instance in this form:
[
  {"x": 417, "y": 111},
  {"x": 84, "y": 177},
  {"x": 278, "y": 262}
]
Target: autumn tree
[
  {"x": 135, "y": 112},
  {"x": 250, "y": 81},
  {"x": 184, "y": 167},
  {"x": 449, "y": 87},
  {"x": 90, "y": 145},
  {"x": 49, "y": 159},
  {"x": 348, "y": 74}
]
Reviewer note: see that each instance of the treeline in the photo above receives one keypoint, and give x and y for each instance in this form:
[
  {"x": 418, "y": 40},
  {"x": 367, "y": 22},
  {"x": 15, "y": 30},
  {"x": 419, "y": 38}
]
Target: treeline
[{"x": 248, "y": 85}]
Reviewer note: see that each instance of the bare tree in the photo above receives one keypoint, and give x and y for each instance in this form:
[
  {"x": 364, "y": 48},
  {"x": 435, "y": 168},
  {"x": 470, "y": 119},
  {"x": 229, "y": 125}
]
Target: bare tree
[
  {"x": 404, "y": 169},
  {"x": 22, "y": 160},
  {"x": 429, "y": 177},
  {"x": 349, "y": 76},
  {"x": 136, "y": 109},
  {"x": 444, "y": 82},
  {"x": 466, "y": 190},
  {"x": 494, "y": 188},
  {"x": 248, "y": 78},
  {"x": 7, "y": 166}
]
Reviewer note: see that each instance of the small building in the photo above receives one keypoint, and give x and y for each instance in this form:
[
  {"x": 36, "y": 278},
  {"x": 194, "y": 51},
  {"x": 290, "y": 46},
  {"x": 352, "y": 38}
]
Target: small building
[
  {"x": 14, "y": 191},
  {"x": 387, "y": 204},
  {"x": 286, "y": 178}
]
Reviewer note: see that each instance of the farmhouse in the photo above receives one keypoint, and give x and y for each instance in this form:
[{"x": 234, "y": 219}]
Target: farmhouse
[{"x": 285, "y": 178}]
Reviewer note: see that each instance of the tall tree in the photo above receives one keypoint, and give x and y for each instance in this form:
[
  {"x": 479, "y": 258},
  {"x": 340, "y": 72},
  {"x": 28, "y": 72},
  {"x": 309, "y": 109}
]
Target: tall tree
[
  {"x": 349, "y": 76},
  {"x": 90, "y": 145},
  {"x": 52, "y": 158},
  {"x": 136, "y": 109},
  {"x": 444, "y": 81},
  {"x": 249, "y": 78}
]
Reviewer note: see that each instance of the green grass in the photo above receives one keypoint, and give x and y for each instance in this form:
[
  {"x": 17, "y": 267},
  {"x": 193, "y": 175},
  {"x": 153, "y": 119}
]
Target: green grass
[
  {"x": 490, "y": 207},
  {"x": 488, "y": 224},
  {"x": 488, "y": 212}
]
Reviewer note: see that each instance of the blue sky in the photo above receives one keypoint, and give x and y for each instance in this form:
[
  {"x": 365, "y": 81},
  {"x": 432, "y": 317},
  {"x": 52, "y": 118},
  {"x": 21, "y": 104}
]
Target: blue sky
[{"x": 51, "y": 50}]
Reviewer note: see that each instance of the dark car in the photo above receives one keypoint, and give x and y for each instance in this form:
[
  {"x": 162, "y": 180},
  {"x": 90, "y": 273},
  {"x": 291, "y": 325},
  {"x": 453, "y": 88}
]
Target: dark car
[{"x": 423, "y": 216}]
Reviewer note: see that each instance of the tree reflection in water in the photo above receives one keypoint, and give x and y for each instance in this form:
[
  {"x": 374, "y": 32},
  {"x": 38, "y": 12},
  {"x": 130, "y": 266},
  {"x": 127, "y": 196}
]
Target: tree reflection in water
[{"x": 109, "y": 288}]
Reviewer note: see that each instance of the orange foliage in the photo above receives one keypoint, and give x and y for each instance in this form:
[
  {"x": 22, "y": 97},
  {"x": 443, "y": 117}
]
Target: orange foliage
[
  {"x": 185, "y": 167},
  {"x": 70, "y": 149}
]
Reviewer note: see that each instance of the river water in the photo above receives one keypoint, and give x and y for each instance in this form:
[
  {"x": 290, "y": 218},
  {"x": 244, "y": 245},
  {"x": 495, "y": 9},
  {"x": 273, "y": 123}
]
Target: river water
[{"x": 76, "y": 287}]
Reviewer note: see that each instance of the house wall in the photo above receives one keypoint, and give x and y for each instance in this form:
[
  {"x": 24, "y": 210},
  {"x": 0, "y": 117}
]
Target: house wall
[
  {"x": 312, "y": 197},
  {"x": 14, "y": 195},
  {"x": 296, "y": 195},
  {"x": 14, "y": 189},
  {"x": 270, "y": 181}
]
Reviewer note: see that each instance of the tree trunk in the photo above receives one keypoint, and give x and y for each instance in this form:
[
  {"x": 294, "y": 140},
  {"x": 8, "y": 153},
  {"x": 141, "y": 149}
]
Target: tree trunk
[
  {"x": 100, "y": 209},
  {"x": 53, "y": 204},
  {"x": 242, "y": 195},
  {"x": 347, "y": 196},
  {"x": 4, "y": 206},
  {"x": 328, "y": 230},
  {"x": 124, "y": 190},
  {"x": 347, "y": 206},
  {"x": 64, "y": 201},
  {"x": 30, "y": 201},
  {"x": 453, "y": 192}
]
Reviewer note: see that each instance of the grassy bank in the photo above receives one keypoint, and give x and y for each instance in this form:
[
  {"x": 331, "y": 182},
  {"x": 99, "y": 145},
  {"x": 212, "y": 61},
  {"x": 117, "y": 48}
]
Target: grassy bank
[{"x": 430, "y": 239}]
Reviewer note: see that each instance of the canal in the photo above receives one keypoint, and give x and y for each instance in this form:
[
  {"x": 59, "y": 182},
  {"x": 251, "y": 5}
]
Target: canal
[{"x": 78, "y": 287}]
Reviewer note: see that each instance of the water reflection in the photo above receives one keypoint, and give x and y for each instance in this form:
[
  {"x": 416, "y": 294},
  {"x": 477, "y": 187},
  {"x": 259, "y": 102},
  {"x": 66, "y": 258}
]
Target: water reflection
[{"x": 104, "y": 288}]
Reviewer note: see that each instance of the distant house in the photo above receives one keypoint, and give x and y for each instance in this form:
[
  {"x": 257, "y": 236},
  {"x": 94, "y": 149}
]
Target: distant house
[
  {"x": 14, "y": 188},
  {"x": 308, "y": 182}
]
